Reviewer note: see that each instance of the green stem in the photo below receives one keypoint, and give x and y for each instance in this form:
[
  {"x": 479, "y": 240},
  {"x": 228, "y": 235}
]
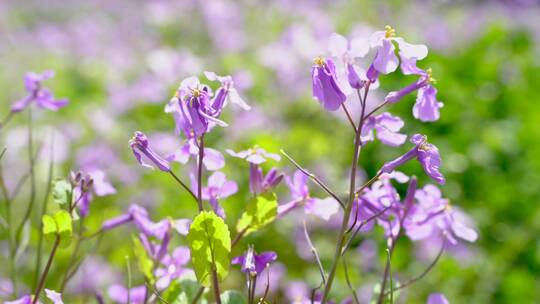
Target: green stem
[
  {"x": 348, "y": 207},
  {"x": 46, "y": 271}
]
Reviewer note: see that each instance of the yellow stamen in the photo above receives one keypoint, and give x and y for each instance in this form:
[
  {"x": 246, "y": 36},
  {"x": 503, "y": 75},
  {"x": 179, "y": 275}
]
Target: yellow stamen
[
  {"x": 430, "y": 78},
  {"x": 318, "y": 61},
  {"x": 196, "y": 92},
  {"x": 389, "y": 31}
]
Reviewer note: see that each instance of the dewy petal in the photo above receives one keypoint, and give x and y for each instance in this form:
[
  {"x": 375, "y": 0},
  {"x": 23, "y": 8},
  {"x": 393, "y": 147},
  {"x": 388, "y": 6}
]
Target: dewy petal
[
  {"x": 323, "y": 208},
  {"x": 437, "y": 298},
  {"x": 427, "y": 107},
  {"x": 386, "y": 60},
  {"x": 213, "y": 159},
  {"x": 54, "y": 296},
  {"x": 337, "y": 45},
  {"x": 408, "y": 50}
]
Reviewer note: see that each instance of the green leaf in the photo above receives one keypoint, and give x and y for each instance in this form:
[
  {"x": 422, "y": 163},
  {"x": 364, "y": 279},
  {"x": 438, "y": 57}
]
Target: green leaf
[
  {"x": 184, "y": 291},
  {"x": 49, "y": 225},
  {"x": 62, "y": 192},
  {"x": 64, "y": 227},
  {"x": 210, "y": 244},
  {"x": 232, "y": 297},
  {"x": 260, "y": 211},
  {"x": 144, "y": 262}
]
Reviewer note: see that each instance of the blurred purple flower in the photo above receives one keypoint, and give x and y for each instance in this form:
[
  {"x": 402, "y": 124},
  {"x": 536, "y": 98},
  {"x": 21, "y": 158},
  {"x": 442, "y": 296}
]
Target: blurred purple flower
[
  {"x": 55, "y": 297},
  {"x": 345, "y": 50},
  {"x": 119, "y": 294},
  {"x": 325, "y": 85},
  {"x": 254, "y": 155},
  {"x": 252, "y": 263},
  {"x": 23, "y": 300},
  {"x": 433, "y": 215},
  {"x": 323, "y": 208},
  {"x": 38, "y": 94},
  {"x": 386, "y": 127},
  {"x": 386, "y": 60},
  {"x": 141, "y": 147},
  {"x": 426, "y": 153},
  {"x": 218, "y": 187},
  {"x": 173, "y": 266},
  {"x": 258, "y": 183},
  {"x": 437, "y": 298},
  {"x": 227, "y": 91}
]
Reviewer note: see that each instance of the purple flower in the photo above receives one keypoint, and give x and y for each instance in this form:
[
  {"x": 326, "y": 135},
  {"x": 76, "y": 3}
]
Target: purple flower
[
  {"x": 85, "y": 184},
  {"x": 140, "y": 147},
  {"x": 427, "y": 106},
  {"x": 258, "y": 183},
  {"x": 38, "y": 94},
  {"x": 218, "y": 187},
  {"x": 173, "y": 266},
  {"x": 213, "y": 159},
  {"x": 426, "y": 153},
  {"x": 437, "y": 298},
  {"x": 433, "y": 215},
  {"x": 386, "y": 127},
  {"x": 252, "y": 263},
  {"x": 386, "y": 60},
  {"x": 254, "y": 155},
  {"x": 227, "y": 91},
  {"x": 323, "y": 208},
  {"x": 119, "y": 294},
  {"x": 325, "y": 86}
]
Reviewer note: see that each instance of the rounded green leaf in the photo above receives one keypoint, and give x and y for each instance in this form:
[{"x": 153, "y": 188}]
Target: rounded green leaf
[
  {"x": 49, "y": 225},
  {"x": 210, "y": 244},
  {"x": 260, "y": 211},
  {"x": 62, "y": 192},
  {"x": 63, "y": 227}
]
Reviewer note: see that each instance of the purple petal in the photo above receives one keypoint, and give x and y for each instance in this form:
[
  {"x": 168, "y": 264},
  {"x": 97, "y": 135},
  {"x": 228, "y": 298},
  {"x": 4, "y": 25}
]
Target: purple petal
[
  {"x": 386, "y": 60},
  {"x": 54, "y": 296},
  {"x": 213, "y": 159},
  {"x": 437, "y": 298},
  {"x": 323, "y": 208},
  {"x": 427, "y": 107}
]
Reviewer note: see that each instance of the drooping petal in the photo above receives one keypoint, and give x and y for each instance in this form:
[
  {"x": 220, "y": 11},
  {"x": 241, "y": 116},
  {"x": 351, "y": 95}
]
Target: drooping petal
[
  {"x": 430, "y": 159},
  {"x": 386, "y": 60},
  {"x": 463, "y": 232},
  {"x": 427, "y": 107}
]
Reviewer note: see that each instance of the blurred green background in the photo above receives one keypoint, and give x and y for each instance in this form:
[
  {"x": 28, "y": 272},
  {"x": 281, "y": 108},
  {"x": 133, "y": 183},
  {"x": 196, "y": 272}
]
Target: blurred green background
[{"x": 119, "y": 63}]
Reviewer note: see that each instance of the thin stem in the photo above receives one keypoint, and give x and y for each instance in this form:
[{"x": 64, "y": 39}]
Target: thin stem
[
  {"x": 72, "y": 260},
  {"x": 32, "y": 182},
  {"x": 344, "y": 107},
  {"x": 198, "y": 295},
  {"x": 184, "y": 186},
  {"x": 315, "y": 253},
  {"x": 314, "y": 178},
  {"x": 376, "y": 109},
  {"x": 128, "y": 266},
  {"x": 6, "y": 120},
  {"x": 46, "y": 271},
  {"x": 346, "y": 270},
  {"x": 267, "y": 288},
  {"x": 424, "y": 273},
  {"x": 239, "y": 236},
  {"x": 11, "y": 244},
  {"x": 156, "y": 293},
  {"x": 215, "y": 285},
  {"x": 43, "y": 210},
  {"x": 348, "y": 208},
  {"x": 368, "y": 183},
  {"x": 362, "y": 224},
  {"x": 81, "y": 260},
  {"x": 199, "y": 173},
  {"x": 390, "y": 276}
]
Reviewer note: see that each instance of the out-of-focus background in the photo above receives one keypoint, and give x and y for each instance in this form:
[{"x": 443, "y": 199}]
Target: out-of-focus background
[{"x": 119, "y": 62}]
